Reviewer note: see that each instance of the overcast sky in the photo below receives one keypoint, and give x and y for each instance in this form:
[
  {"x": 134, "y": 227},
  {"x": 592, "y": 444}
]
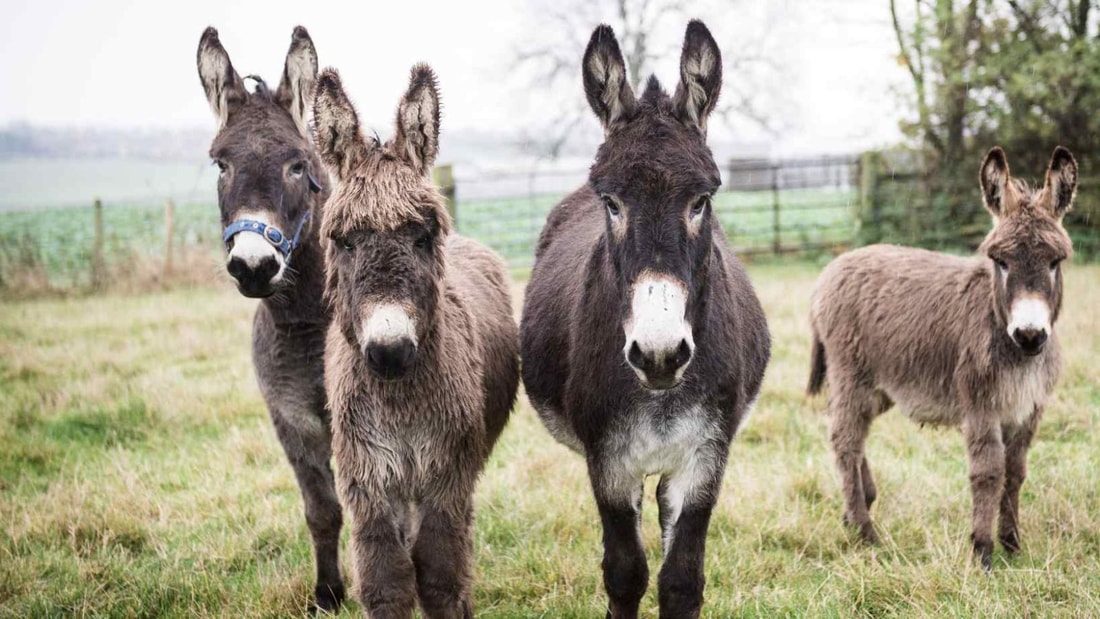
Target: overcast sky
[{"x": 132, "y": 64}]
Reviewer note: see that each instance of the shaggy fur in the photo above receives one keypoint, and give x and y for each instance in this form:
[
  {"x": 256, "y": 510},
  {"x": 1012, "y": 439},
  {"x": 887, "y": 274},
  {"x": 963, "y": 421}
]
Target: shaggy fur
[
  {"x": 260, "y": 138},
  {"x": 928, "y": 332},
  {"x": 645, "y": 213},
  {"x": 409, "y": 448}
]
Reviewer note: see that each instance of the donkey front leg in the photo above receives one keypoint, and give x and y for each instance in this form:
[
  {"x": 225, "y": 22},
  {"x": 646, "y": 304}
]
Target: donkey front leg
[
  {"x": 442, "y": 555},
  {"x": 384, "y": 573},
  {"x": 307, "y": 442},
  {"x": 851, "y": 412},
  {"x": 625, "y": 573},
  {"x": 1017, "y": 442},
  {"x": 686, "y": 500},
  {"x": 986, "y": 453}
]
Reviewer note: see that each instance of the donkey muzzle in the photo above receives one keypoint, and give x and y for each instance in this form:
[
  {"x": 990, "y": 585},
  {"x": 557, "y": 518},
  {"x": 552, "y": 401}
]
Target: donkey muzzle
[
  {"x": 388, "y": 341},
  {"x": 659, "y": 342}
]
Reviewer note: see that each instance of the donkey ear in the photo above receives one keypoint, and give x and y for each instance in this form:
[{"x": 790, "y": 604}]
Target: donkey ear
[
  {"x": 605, "y": 84},
  {"x": 417, "y": 138},
  {"x": 336, "y": 126},
  {"x": 224, "y": 88},
  {"x": 1061, "y": 181},
  {"x": 994, "y": 180},
  {"x": 295, "y": 92},
  {"x": 700, "y": 76}
]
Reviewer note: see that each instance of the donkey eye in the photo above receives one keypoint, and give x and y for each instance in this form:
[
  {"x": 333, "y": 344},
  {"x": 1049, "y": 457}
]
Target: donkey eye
[
  {"x": 223, "y": 167},
  {"x": 424, "y": 241},
  {"x": 612, "y": 206},
  {"x": 1001, "y": 264},
  {"x": 699, "y": 206},
  {"x": 1054, "y": 264},
  {"x": 345, "y": 245},
  {"x": 297, "y": 169}
]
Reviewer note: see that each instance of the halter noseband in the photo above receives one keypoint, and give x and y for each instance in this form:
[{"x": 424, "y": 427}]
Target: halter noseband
[
  {"x": 277, "y": 238},
  {"x": 281, "y": 242}
]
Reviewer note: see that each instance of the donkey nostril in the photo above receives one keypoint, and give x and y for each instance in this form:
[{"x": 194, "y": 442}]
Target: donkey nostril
[
  {"x": 1030, "y": 338},
  {"x": 634, "y": 355},
  {"x": 237, "y": 268},
  {"x": 267, "y": 269},
  {"x": 683, "y": 354}
]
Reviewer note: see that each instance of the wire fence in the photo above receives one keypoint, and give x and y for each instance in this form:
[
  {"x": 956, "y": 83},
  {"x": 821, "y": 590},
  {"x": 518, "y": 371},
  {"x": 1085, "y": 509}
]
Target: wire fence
[{"x": 822, "y": 204}]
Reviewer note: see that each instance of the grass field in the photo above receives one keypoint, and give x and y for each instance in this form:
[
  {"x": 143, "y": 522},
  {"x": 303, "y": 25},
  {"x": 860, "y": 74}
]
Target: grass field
[{"x": 139, "y": 476}]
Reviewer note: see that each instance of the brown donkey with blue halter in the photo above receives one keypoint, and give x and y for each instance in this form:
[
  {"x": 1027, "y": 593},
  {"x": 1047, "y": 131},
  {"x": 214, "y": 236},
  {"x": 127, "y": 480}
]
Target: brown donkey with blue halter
[
  {"x": 270, "y": 192},
  {"x": 644, "y": 344},
  {"x": 951, "y": 341}
]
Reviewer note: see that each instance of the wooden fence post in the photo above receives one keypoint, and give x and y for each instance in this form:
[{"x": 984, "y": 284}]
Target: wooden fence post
[
  {"x": 98, "y": 266},
  {"x": 444, "y": 178},
  {"x": 777, "y": 244},
  {"x": 869, "y": 163},
  {"x": 169, "y": 234}
]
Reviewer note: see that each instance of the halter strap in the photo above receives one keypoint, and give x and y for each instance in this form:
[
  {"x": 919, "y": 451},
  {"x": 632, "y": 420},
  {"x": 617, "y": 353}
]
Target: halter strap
[{"x": 283, "y": 244}]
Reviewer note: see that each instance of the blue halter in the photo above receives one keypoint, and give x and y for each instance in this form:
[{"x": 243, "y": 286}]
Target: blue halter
[{"x": 281, "y": 242}]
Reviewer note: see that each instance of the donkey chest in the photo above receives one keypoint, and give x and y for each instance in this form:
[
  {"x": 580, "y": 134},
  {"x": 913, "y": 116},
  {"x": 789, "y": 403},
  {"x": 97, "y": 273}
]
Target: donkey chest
[{"x": 656, "y": 442}]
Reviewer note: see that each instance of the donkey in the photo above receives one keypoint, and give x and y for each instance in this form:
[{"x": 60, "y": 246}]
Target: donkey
[
  {"x": 643, "y": 342},
  {"x": 270, "y": 192},
  {"x": 953, "y": 341},
  {"x": 422, "y": 357}
]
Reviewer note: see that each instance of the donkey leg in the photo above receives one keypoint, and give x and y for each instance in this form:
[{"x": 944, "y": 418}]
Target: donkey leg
[
  {"x": 882, "y": 403},
  {"x": 986, "y": 453},
  {"x": 384, "y": 573},
  {"x": 307, "y": 442},
  {"x": 442, "y": 555},
  {"x": 625, "y": 573},
  {"x": 851, "y": 413},
  {"x": 870, "y": 490},
  {"x": 686, "y": 499},
  {"x": 1017, "y": 442}
]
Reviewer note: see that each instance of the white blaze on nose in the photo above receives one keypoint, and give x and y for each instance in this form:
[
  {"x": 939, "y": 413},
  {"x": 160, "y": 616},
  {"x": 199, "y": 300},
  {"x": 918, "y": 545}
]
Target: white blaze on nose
[
  {"x": 389, "y": 323},
  {"x": 1029, "y": 313},
  {"x": 253, "y": 248},
  {"x": 656, "y": 322}
]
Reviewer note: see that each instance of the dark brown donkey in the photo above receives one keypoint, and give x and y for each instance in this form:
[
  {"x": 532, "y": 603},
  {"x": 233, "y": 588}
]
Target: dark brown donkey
[
  {"x": 270, "y": 193},
  {"x": 643, "y": 342},
  {"x": 422, "y": 359},
  {"x": 951, "y": 341}
]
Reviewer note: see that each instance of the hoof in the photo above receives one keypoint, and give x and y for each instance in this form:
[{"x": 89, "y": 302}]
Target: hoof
[
  {"x": 866, "y": 532},
  {"x": 327, "y": 599},
  {"x": 984, "y": 552}
]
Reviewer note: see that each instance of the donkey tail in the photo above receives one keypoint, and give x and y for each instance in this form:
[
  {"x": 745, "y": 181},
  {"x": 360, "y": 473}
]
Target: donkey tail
[{"x": 817, "y": 367}]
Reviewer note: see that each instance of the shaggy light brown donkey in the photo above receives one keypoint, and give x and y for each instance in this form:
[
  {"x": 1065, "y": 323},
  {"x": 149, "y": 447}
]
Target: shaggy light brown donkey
[
  {"x": 952, "y": 341},
  {"x": 421, "y": 360}
]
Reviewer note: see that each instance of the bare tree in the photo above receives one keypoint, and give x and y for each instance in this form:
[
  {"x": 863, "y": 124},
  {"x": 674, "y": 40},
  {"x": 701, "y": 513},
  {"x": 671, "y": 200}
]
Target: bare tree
[{"x": 649, "y": 32}]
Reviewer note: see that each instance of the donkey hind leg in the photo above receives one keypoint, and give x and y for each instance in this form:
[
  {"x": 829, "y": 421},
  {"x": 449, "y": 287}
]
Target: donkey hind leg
[
  {"x": 442, "y": 555},
  {"x": 385, "y": 580},
  {"x": 1017, "y": 442},
  {"x": 625, "y": 573},
  {"x": 882, "y": 404},
  {"x": 851, "y": 410},
  {"x": 686, "y": 500},
  {"x": 986, "y": 454},
  {"x": 307, "y": 441}
]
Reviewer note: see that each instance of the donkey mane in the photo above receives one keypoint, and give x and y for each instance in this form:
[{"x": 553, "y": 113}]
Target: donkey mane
[
  {"x": 262, "y": 89},
  {"x": 379, "y": 176},
  {"x": 1035, "y": 229}
]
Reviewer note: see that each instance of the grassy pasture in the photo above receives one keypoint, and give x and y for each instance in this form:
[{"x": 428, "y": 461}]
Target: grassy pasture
[{"x": 139, "y": 476}]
